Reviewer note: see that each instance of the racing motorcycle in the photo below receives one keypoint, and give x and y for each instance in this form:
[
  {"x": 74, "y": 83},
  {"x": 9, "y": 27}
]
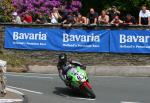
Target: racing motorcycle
[{"x": 79, "y": 79}]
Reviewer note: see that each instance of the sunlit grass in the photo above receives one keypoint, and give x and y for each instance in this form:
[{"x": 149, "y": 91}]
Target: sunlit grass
[{"x": 12, "y": 59}]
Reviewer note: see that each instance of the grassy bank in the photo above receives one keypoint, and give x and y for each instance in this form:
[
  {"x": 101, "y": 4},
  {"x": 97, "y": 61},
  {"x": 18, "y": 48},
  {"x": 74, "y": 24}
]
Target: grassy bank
[
  {"x": 12, "y": 60},
  {"x": 19, "y": 57}
]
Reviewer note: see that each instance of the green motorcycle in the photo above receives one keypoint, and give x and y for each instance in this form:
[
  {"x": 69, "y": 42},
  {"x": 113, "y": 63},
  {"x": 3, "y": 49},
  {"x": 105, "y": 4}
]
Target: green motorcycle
[{"x": 79, "y": 79}]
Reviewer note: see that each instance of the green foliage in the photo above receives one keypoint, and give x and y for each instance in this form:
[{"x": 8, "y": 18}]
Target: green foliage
[
  {"x": 12, "y": 59},
  {"x": 6, "y": 9},
  {"x": 125, "y": 6}
]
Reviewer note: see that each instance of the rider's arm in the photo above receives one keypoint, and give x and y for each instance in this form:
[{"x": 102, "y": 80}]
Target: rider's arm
[
  {"x": 76, "y": 63},
  {"x": 61, "y": 75},
  {"x": 60, "y": 71}
]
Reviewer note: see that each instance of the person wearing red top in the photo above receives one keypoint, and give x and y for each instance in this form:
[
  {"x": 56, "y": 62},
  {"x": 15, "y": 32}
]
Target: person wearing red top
[
  {"x": 27, "y": 18},
  {"x": 116, "y": 21}
]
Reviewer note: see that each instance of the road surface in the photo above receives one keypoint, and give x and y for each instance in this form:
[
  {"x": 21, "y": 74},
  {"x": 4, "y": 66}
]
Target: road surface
[{"x": 48, "y": 88}]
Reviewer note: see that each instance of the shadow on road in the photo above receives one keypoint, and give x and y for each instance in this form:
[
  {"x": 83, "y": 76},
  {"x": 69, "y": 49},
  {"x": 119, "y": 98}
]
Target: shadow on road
[{"x": 62, "y": 91}]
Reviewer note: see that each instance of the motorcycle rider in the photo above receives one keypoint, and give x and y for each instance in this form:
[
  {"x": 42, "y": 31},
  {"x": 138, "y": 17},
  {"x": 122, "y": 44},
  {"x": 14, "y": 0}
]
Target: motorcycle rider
[{"x": 64, "y": 65}]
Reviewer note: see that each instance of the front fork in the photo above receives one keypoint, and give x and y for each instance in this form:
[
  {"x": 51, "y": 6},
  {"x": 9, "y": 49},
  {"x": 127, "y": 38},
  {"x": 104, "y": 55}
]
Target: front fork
[{"x": 85, "y": 84}]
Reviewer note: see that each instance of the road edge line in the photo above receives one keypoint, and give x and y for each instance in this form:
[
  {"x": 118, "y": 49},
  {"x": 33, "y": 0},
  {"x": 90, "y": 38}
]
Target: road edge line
[
  {"x": 27, "y": 90},
  {"x": 24, "y": 100}
]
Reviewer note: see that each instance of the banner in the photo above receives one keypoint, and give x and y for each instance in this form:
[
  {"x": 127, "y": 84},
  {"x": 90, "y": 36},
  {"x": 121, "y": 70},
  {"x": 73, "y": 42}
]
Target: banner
[
  {"x": 24, "y": 38},
  {"x": 57, "y": 39},
  {"x": 85, "y": 40},
  {"x": 130, "y": 41}
]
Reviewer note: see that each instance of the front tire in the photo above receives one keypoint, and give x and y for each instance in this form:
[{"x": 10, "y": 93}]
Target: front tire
[{"x": 89, "y": 92}]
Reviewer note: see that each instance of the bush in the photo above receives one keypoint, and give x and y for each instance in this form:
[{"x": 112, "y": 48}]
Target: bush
[
  {"x": 44, "y": 6},
  {"x": 6, "y": 9}
]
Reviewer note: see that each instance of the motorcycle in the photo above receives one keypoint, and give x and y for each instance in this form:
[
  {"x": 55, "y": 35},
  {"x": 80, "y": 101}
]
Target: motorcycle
[{"x": 79, "y": 79}]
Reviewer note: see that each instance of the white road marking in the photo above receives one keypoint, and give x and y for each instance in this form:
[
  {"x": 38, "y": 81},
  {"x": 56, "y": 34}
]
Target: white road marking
[
  {"x": 26, "y": 76},
  {"x": 10, "y": 100},
  {"x": 78, "y": 98},
  {"x": 42, "y": 74},
  {"x": 14, "y": 91},
  {"x": 33, "y": 74},
  {"x": 128, "y": 102},
  {"x": 86, "y": 99},
  {"x": 35, "y": 92},
  {"x": 97, "y": 76},
  {"x": 119, "y": 77}
]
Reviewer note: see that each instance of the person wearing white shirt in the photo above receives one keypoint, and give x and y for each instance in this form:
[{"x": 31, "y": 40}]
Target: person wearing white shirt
[
  {"x": 144, "y": 16},
  {"x": 55, "y": 16},
  {"x": 16, "y": 18}
]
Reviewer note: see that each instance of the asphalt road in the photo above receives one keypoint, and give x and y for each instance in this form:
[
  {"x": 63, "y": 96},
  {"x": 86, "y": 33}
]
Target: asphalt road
[{"x": 48, "y": 88}]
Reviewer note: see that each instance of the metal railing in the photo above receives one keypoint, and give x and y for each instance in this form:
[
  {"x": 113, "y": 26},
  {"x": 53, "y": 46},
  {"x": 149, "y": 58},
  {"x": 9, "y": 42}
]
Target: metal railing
[{"x": 89, "y": 26}]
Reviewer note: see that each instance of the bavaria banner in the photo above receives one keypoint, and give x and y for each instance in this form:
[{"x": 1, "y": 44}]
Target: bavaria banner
[
  {"x": 130, "y": 41},
  {"x": 57, "y": 39}
]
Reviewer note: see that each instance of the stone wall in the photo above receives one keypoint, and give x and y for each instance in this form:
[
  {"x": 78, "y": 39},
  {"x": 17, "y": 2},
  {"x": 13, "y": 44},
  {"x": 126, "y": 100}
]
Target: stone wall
[{"x": 50, "y": 57}]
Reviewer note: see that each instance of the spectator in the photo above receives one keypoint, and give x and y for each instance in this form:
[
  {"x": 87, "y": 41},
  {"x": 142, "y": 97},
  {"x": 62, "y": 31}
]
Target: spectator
[
  {"x": 55, "y": 16},
  {"x": 103, "y": 18},
  {"x": 1, "y": 18},
  {"x": 92, "y": 17},
  {"x": 41, "y": 19},
  {"x": 16, "y": 18},
  {"x": 112, "y": 12},
  {"x": 70, "y": 19},
  {"x": 129, "y": 20},
  {"x": 80, "y": 19},
  {"x": 144, "y": 16},
  {"x": 116, "y": 21},
  {"x": 27, "y": 18},
  {"x": 63, "y": 13}
]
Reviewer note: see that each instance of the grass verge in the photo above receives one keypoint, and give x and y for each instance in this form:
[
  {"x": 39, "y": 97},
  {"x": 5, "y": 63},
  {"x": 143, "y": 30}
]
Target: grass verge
[{"x": 15, "y": 64}]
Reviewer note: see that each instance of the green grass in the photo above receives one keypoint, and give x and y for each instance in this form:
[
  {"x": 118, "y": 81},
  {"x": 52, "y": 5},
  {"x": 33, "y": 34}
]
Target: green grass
[
  {"x": 12, "y": 59},
  {"x": 24, "y": 57}
]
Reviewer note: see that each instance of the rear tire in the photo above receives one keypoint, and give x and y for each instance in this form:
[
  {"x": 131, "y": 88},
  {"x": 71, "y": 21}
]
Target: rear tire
[{"x": 89, "y": 92}]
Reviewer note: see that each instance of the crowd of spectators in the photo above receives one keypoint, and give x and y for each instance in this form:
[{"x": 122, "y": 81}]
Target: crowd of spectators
[{"x": 109, "y": 16}]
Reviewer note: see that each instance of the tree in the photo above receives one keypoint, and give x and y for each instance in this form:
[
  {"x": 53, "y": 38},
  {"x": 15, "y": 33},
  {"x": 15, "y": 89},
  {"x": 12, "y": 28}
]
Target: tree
[
  {"x": 35, "y": 6},
  {"x": 125, "y": 6},
  {"x": 6, "y": 9},
  {"x": 44, "y": 6}
]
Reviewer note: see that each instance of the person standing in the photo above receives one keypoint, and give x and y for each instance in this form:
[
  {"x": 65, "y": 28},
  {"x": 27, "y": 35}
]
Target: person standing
[
  {"x": 130, "y": 20},
  {"x": 55, "y": 16},
  {"x": 112, "y": 12},
  {"x": 116, "y": 21},
  {"x": 144, "y": 16},
  {"x": 92, "y": 16},
  {"x": 70, "y": 19},
  {"x": 16, "y": 19},
  {"x": 103, "y": 18},
  {"x": 41, "y": 19},
  {"x": 80, "y": 19},
  {"x": 27, "y": 18}
]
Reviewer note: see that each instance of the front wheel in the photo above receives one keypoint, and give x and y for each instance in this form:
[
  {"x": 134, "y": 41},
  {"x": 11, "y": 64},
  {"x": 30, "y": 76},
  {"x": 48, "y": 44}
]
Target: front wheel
[{"x": 89, "y": 92}]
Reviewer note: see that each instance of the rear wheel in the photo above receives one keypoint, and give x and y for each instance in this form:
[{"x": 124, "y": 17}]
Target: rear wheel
[{"x": 89, "y": 92}]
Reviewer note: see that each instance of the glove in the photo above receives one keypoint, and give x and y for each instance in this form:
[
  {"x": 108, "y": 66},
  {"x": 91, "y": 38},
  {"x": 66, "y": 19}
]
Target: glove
[
  {"x": 67, "y": 81},
  {"x": 84, "y": 67}
]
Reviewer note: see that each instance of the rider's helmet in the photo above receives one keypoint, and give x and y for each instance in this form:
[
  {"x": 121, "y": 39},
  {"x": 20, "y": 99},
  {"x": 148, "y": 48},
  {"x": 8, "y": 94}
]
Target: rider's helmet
[{"x": 63, "y": 58}]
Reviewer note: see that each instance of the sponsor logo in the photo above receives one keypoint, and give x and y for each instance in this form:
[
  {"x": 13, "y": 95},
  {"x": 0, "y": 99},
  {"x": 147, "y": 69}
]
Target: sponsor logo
[
  {"x": 81, "y": 38},
  {"x": 29, "y": 36},
  {"x": 134, "y": 39}
]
